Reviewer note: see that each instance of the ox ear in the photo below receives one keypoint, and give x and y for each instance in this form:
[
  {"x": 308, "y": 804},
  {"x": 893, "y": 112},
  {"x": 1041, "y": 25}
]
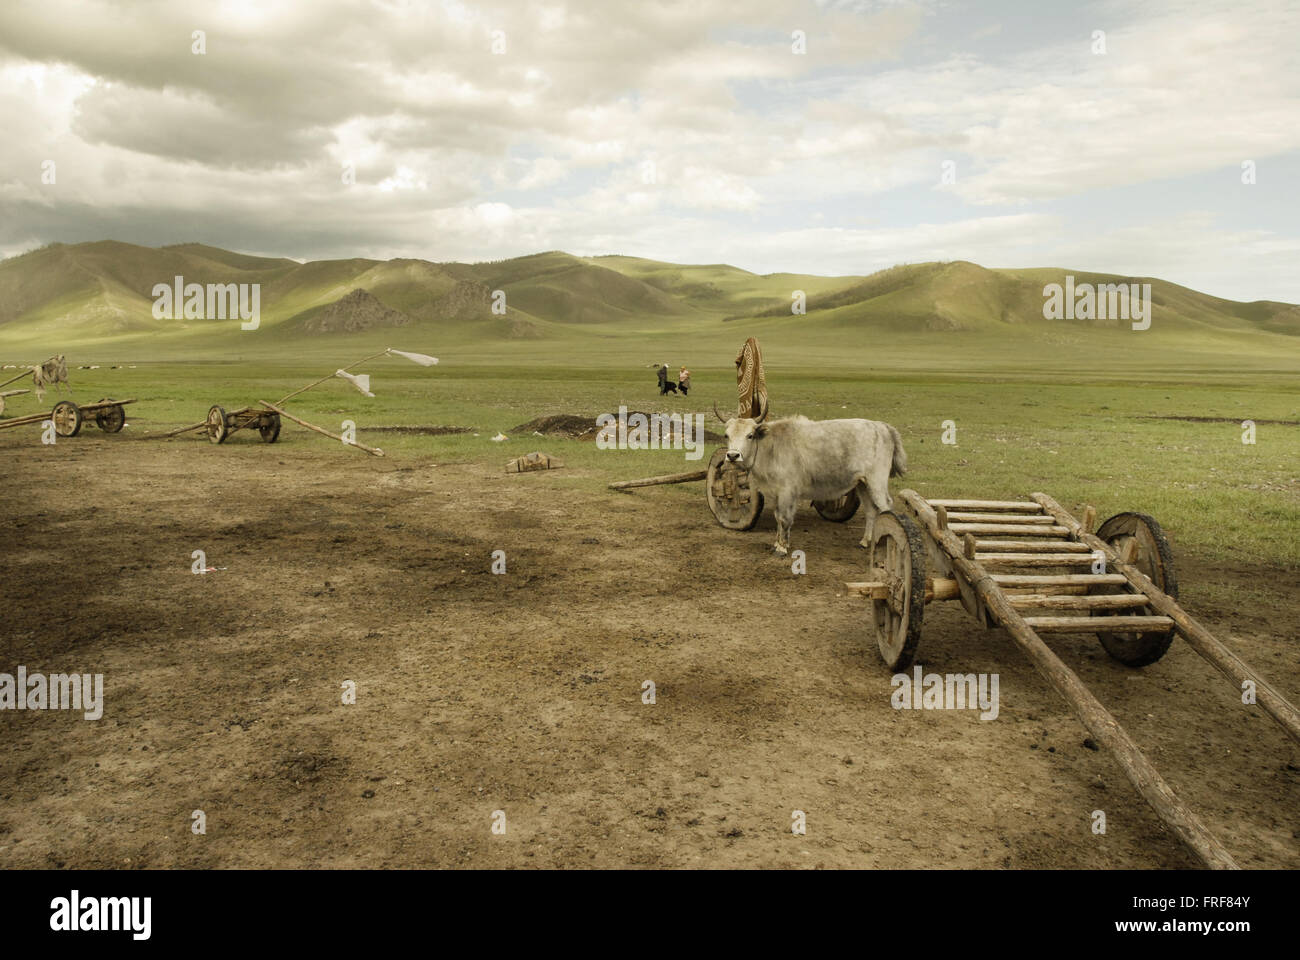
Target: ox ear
[{"x": 760, "y": 431}]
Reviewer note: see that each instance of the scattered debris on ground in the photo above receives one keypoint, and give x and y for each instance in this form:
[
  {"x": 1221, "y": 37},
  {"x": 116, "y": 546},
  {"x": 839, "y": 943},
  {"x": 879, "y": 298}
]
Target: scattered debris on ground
[{"x": 533, "y": 461}]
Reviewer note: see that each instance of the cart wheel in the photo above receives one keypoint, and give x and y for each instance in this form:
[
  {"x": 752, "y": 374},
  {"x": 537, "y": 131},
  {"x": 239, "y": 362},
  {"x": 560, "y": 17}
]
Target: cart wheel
[
  {"x": 735, "y": 502},
  {"x": 838, "y": 511},
  {"x": 110, "y": 419},
  {"x": 216, "y": 426},
  {"x": 269, "y": 428},
  {"x": 898, "y": 558},
  {"x": 67, "y": 418},
  {"x": 1156, "y": 560}
]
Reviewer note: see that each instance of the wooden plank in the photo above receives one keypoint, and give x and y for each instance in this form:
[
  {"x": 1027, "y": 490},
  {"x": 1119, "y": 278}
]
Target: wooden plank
[
  {"x": 179, "y": 430},
  {"x": 873, "y": 589},
  {"x": 936, "y": 588},
  {"x": 1093, "y": 624},
  {"x": 1010, "y": 529},
  {"x": 1057, "y": 591},
  {"x": 1032, "y": 546},
  {"x": 1034, "y": 559},
  {"x": 654, "y": 481},
  {"x": 1092, "y": 601},
  {"x": 1197, "y": 637},
  {"x": 29, "y": 418},
  {"x": 1024, "y": 505},
  {"x": 1099, "y": 722},
  {"x": 1089, "y": 519},
  {"x": 104, "y": 404},
  {"x": 1056, "y": 579},
  {"x": 1039, "y": 518}
]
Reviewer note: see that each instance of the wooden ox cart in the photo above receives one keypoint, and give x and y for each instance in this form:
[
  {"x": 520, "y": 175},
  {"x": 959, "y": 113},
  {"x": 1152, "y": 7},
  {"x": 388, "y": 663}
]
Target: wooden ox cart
[
  {"x": 220, "y": 423},
  {"x": 733, "y": 500},
  {"x": 1032, "y": 568},
  {"x": 68, "y": 417}
]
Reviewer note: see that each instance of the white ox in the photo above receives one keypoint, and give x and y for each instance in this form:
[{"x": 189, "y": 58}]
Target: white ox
[{"x": 795, "y": 460}]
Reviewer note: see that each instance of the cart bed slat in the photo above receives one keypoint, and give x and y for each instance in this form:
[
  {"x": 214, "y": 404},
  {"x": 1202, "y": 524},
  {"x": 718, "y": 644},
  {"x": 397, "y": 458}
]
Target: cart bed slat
[
  {"x": 1026, "y": 506},
  {"x": 1093, "y": 601},
  {"x": 1093, "y": 624},
  {"x": 1055, "y": 579},
  {"x": 1009, "y": 528},
  {"x": 1039, "y": 519},
  {"x": 1033, "y": 546},
  {"x": 1035, "y": 559}
]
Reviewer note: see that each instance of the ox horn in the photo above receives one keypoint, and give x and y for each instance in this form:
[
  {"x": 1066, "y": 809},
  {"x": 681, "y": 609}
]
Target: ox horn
[
  {"x": 763, "y": 416},
  {"x": 716, "y": 414}
]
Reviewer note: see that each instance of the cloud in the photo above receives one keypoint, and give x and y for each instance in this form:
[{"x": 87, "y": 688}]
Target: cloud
[{"x": 683, "y": 129}]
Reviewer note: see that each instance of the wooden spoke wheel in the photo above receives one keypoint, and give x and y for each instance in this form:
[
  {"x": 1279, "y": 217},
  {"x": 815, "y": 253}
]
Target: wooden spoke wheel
[
  {"x": 734, "y": 500},
  {"x": 216, "y": 425},
  {"x": 1156, "y": 560},
  {"x": 110, "y": 419},
  {"x": 898, "y": 559},
  {"x": 838, "y": 511},
  {"x": 269, "y": 428},
  {"x": 67, "y": 418}
]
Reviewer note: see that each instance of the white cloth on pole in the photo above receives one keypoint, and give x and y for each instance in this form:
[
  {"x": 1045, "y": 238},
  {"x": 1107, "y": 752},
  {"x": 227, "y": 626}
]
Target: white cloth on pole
[
  {"x": 423, "y": 359},
  {"x": 359, "y": 380}
]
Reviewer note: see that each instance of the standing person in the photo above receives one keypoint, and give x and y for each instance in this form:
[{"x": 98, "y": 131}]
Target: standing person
[
  {"x": 663, "y": 379},
  {"x": 684, "y": 381}
]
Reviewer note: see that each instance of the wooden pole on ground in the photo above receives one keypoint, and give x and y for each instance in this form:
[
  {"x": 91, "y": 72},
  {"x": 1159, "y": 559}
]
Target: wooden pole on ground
[
  {"x": 28, "y": 418},
  {"x": 373, "y": 451},
  {"x": 180, "y": 430},
  {"x": 1104, "y": 727},
  {"x": 654, "y": 481},
  {"x": 1197, "y": 637}
]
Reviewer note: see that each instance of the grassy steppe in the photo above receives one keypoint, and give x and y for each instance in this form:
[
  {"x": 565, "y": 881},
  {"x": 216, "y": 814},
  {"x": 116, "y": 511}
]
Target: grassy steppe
[
  {"x": 1081, "y": 436},
  {"x": 1054, "y": 405}
]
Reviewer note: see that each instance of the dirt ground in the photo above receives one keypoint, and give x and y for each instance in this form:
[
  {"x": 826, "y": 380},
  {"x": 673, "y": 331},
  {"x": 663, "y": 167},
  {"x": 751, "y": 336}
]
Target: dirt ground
[{"x": 522, "y": 692}]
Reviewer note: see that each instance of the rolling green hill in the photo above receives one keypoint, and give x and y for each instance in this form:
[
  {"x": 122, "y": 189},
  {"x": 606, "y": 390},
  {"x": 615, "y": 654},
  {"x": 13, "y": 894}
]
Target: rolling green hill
[{"x": 96, "y": 299}]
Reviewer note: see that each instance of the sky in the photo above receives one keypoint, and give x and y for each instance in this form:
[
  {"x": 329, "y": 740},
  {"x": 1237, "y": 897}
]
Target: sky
[{"x": 774, "y": 135}]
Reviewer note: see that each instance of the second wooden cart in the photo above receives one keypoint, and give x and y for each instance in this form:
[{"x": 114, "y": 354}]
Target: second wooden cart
[{"x": 1031, "y": 568}]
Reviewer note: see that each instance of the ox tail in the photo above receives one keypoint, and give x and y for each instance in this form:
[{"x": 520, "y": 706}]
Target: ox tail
[{"x": 899, "y": 465}]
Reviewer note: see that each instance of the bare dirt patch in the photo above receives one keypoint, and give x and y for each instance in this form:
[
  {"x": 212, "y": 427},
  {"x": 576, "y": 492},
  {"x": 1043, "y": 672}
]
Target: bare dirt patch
[
  {"x": 522, "y": 692},
  {"x": 427, "y": 431},
  {"x": 1284, "y": 423}
]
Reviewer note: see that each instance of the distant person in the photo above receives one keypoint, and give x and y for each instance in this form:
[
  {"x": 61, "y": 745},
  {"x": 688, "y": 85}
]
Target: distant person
[
  {"x": 684, "y": 381},
  {"x": 665, "y": 385}
]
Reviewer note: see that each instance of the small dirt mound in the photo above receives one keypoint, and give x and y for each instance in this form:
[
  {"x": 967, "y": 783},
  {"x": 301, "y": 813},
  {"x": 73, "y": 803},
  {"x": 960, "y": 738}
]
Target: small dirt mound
[
  {"x": 564, "y": 425},
  {"x": 428, "y": 430},
  {"x": 570, "y": 426}
]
